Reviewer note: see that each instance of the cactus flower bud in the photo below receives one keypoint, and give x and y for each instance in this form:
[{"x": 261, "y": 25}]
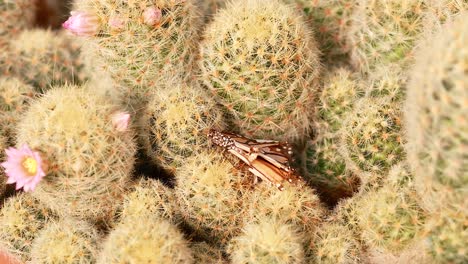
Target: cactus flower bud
[
  {"x": 152, "y": 16},
  {"x": 120, "y": 121},
  {"x": 82, "y": 24}
]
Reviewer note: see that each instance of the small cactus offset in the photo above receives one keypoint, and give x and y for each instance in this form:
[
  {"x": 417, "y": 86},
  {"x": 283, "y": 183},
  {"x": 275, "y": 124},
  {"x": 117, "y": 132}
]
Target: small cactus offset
[
  {"x": 44, "y": 58},
  {"x": 384, "y": 31},
  {"x": 150, "y": 198},
  {"x": 436, "y": 115},
  {"x": 268, "y": 241},
  {"x": 90, "y": 158},
  {"x": 142, "y": 42},
  {"x": 334, "y": 243},
  {"x": 175, "y": 124},
  {"x": 145, "y": 240},
  {"x": 66, "y": 242},
  {"x": 261, "y": 61},
  {"x": 15, "y": 15},
  {"x": 325, "y": 167},
  {"x": 21, "y": 218}
]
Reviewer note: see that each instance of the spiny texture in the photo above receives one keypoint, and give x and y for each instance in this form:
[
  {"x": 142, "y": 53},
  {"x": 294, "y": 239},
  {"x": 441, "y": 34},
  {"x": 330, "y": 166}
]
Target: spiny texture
[
  {"x": 148, "y": 240},
  {"x": 436, "y": 112},
  {"x": 15, "y": 15},
  {"x": 325, "y": 167},
  {"x": 21, "y": 218},
  {"x": 44, "y": 58},
  {"x": 211, "y": 194},
  {"x": 66, "y": 242},
  {"x": 415, "y": 253},
  {"x": 297, "y": 205},
  {"x": 15, "y": 96},
  {"x": 139, "y": 56},
  {"x": 176, "y": 122},
  {"x": 441, "y": 11},
  {"x": 205, "y": 253},
  {"x": 371, "y": 137},
  {"x": 260, "y": 60},
  {"x": 331, "y": 20},
  {"x": 390, "y": 217},
  {"x": 335, "y": 244},
  {"x": 3, "y": 178},
  {"x": 448, "y": 234},
  {"x": 149, "y": 198},
  {"x": 89, "y": 160},
  {"x": 384, "y": 31},
  {"x": 267, "y": 241}
]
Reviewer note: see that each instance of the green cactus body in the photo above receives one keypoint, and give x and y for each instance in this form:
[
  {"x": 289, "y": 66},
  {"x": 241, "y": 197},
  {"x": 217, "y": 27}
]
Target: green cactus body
[
  {"x": 139, "y": 57},
  {"x": 212, "y": 195},
  {"x": 21, "y": 218},
  {"x": 44, "y": 58},
  {"x": 384, "y": 31},
  {"x": 335, "y": 244},
  {"x": 15, "y": 15},
  {"x": 150, "y": 197},
  {"x": 145, "y": 240},
  {"x": 390, "y": 217},
  {"x": 436, "y": 116},
  {"x": 267, "y": 241},
  {"x": 89, "y": 160},
  {"x": 175, "y": 124},
  {"x": 325, "y": 166},
  {"x": 260, "y": 60},
  {"x": 64, "y": 242}
]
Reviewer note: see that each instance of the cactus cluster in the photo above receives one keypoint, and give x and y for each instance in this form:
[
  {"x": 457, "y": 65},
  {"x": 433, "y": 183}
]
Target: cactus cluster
[
  {"x": 89, "y": 160},
  {"x": 15, "y": 15},
  {"x": 44, "y": 58},
  {"x": 260, "y": 60}
]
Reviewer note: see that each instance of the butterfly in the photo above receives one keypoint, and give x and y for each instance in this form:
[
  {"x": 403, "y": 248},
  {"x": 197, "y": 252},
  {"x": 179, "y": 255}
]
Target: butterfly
[{"x": 268, "y": 160}]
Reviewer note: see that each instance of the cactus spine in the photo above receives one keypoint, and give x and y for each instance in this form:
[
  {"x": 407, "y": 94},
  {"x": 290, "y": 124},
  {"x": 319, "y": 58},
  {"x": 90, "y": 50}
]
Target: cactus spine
[{"x": 15, "y": 15}]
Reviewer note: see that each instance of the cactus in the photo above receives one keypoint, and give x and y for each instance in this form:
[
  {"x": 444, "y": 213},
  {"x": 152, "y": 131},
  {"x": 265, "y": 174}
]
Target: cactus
[
  {"x": 212, "y": 195},
  {"x": 90, "y": 161},
  {"x": 145, "y": 240},
  {"x": 414, "y": 253},
  {"x": 21, "y": 218},
  {"x": 44, "y": 58},
  {"x": 204, "y": 253},
  {"x": 384, "y": 32},
  {"x": 267, "y": 241},
  {"x": 371, "y": 136},
  {"x": 447, "y": 235},
  {"x": 334, "y": 243},
  {"x": 138, "y": 56},
  {"x": 151, "y": 198},
  {"x": 261, "y": 61},
  {"x": 3, "y": 178},
  {"x": 436, "y": 115},
  {"x": 175, "y": 124},
  {"x": 15, "y": 16},
  {"x": 325, "y": 167},
  {"x": 441, "y": 11},
  {"x": 390, "y": 217},
  {"x": 66, "y": 241}
]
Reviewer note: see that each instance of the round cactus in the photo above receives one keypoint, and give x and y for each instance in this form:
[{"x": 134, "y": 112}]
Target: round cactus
[
  {"x": 66, "y": 242},
  {"x": 384, "y": 31},
  {"x": 152, "y": 198},
  {"x": 325, "y": 167},
  {"x": 436, "y": 115},
  {"x": 390, "y": 217},
  {"x": 211, "y": 195},
  {"x": 145, "y": 240},
  {"x": 267, "y": 242},
  {"x": 44, "y": 58},
  {"x": 176, "y": 122},
  {"x": 21, "y": 218},
  {"x": 140, "y": 52},
  {"x": 204, "y": 253},
  {"x": 15, "y": 16},
  {"x": 89, "y": 158},
  {"x": 335, "y": 244},
  {"x": 261, "y": 61}
]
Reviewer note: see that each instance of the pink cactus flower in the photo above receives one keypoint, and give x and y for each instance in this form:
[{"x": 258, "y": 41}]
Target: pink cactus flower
[
  {"x": 116, "y": 22},
  {"x": 24, "y": 166},
  {"x": 152, "y": 16},
  {"x": 120, "y": 121},
  {"x": 82, "y": 24}
]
